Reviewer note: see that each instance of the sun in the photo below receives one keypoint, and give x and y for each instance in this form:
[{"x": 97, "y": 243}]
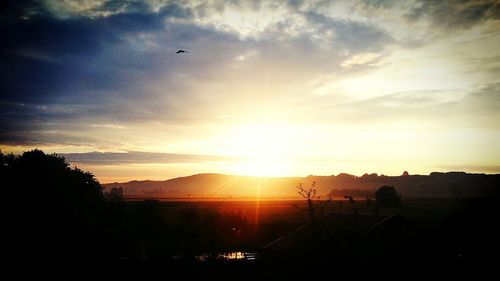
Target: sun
[
  {"x": 263, "y": 150},
  {"x": 262, "y": 167}
]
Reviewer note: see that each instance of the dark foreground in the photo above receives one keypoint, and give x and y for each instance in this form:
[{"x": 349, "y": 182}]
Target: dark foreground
[{"x": 212, "y": 240}]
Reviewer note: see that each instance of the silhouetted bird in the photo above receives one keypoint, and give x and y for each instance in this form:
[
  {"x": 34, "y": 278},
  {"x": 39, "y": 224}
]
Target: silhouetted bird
[{"x": 181, "y": 51}]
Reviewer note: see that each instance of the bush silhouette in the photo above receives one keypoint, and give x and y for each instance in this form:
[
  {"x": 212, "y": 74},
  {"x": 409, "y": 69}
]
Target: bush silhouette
[
  {"x": 39, "y": 176},
  {"x": 387, "y": 196},
  {"x": 55, "y": 211}
]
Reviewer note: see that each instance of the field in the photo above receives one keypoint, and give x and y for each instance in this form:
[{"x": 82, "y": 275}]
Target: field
[
  {"x": 202, "y": 237},
  {"x": 248, "y": 225},
  {"x": 424, "y": 211}
]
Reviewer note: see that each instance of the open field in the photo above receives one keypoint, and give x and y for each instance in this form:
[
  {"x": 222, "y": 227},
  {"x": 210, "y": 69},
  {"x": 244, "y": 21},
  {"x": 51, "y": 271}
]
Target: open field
[
  {"x": 200, "y": 226},
  {"x": 426, "y": 233},
  {"x": 422, "y": 211}
]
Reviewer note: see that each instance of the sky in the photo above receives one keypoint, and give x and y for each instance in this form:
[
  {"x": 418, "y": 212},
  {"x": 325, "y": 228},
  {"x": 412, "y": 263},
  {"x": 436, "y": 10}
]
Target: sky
[{"x": 269, "y": 88}]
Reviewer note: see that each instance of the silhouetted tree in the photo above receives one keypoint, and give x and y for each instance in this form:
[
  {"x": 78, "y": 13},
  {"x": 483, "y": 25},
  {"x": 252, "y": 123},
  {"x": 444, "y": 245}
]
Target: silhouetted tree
[
  {"x": 387, "y": 196},
  {"x": 353, "y": 204},
  {"x": 49, "y": 180},
  {"x": 54, "y": 210},
  {"x": 3, "y": 163},
  {"x": 115, "y": 193},
  {"x": 314, "y": 204},
  {"x": 309, "y": 194}
]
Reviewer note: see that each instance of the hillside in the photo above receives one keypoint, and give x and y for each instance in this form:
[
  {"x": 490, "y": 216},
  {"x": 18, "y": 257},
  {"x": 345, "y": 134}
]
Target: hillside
[{"x": 436, "y": 185}]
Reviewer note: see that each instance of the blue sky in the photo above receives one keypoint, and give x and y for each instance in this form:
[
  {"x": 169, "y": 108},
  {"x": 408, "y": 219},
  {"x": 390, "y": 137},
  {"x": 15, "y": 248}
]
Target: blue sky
[{"x": 269, "y": 87}]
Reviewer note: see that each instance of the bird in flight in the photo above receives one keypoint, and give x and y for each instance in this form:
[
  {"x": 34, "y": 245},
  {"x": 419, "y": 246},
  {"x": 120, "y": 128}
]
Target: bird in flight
[{"x": 181, "y": 51}]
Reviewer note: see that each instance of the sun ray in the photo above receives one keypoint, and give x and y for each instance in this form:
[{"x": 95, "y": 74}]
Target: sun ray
[{"x": 257, "y": 204}]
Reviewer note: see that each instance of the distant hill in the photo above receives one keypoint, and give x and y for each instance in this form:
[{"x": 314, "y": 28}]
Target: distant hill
[
  {"x": 211, "y": 185},
  {"x": 435, "y": 185}
]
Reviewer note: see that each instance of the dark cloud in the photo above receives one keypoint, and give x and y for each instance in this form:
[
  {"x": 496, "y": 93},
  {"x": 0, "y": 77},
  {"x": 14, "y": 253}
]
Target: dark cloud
[
  {"x": 115, "y": 6},
  {"x": 56, "y": 69},
  {"x": 295, "y": 3},
  {"x": 45, "y": 57},
  {"x": 380, "y": 4},
  {"x": 13, "y": 10},
  {"x": 352, "y": 36},
  {"x": 136, "y": 157},
  {"x": 34, "y": 137},
  {"x": 455, "y": 14}
]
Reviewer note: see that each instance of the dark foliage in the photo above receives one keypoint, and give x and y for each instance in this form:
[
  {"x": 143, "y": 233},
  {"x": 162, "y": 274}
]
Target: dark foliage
[
  {"x": 387, "y": 196},
  {"x": 115, "y": 193},
  {"x": 53, "y": 212}
]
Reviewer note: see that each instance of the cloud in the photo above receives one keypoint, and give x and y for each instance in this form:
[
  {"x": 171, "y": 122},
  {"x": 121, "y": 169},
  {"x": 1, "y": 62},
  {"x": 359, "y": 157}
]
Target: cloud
[
  {"x": 362, "y": 60},
  {"x": 456, "y": 14},
  {"x": 476, "y": 107},
  {"x": 348, "y": 35},
  {"x": 80, "y": 56},
  {"x": 96, "y": 8},
  {"x": 137, "y": 157}
]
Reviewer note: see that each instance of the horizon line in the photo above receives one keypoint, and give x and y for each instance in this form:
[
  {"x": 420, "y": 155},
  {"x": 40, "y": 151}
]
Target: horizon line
[{"x": 311, "y": 175}]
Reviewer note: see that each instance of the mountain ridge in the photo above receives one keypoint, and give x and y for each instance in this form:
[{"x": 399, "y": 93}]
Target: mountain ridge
[{"x": 436, "y": 184}]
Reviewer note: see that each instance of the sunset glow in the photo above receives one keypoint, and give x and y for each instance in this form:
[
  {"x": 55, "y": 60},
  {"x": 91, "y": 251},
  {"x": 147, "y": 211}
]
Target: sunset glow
[
  {"x": 214, "y": 140},
  {"x": 263, "y": 150}
]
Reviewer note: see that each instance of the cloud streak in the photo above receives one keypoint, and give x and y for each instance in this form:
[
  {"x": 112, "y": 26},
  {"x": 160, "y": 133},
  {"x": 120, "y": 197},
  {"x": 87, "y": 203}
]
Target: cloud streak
[
  {"x": 455, "y": 15},
  {"x": 137, "y": 157}
]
